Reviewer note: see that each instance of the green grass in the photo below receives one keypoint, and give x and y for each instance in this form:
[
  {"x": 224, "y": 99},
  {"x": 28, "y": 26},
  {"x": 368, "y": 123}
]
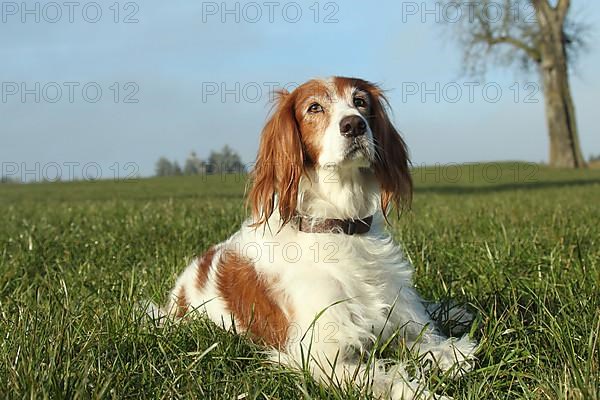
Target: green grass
[{"x": 522, "y": 249}]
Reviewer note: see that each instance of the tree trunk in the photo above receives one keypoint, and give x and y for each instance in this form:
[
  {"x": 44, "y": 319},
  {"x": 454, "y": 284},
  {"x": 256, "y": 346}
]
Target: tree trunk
[{"x": 565, "y": 150}]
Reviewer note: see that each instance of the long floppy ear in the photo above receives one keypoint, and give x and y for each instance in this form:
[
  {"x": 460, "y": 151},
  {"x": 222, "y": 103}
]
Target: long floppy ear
[
  {"x": 279, "y": 165},
  {"x": 392, "y": 162}
]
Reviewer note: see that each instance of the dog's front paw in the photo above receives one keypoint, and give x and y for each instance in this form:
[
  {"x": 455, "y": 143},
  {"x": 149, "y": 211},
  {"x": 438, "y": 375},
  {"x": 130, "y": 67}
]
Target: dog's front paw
[
  {"x": 401, "y": 387},
  {"x": 455, "y": 356},
  {"x": 408, "y": 392}
]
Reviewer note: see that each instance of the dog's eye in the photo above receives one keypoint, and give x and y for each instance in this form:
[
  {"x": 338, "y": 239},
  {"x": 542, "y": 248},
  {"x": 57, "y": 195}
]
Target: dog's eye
[
  {"x": 359, "y": 102},
  {"x": 315, "y": 108}
]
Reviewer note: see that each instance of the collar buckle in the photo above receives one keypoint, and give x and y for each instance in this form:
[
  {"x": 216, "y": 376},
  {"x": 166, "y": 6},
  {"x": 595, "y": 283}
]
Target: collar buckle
[{"x": 351, "y": 229}]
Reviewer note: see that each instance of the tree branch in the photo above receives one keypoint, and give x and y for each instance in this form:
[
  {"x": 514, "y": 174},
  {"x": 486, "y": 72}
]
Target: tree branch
[
  {"x": 542, "y": 4},
  {"x": 562, "y": 8},
  {"x": 505, "y": 39},
  {"x": 543, "y": 7}
]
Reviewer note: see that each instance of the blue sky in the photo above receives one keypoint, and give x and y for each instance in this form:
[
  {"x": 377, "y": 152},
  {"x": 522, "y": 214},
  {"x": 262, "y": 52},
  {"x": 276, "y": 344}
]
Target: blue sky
[{"x": 177, "y": 50}]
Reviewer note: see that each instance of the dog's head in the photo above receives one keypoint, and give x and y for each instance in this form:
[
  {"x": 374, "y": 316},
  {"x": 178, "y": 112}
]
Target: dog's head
[{"x": 339, "y": 123}]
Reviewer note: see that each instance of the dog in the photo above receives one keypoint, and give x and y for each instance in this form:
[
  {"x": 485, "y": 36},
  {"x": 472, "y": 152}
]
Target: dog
[{"x": 312, "y": 274}]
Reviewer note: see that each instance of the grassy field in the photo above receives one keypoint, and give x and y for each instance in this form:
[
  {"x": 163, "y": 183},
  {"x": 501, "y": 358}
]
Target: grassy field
[{"x": 519, "y": 243}]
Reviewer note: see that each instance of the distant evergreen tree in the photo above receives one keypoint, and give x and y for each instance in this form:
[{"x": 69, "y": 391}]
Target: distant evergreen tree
[
  {"x": 226, "y": 161},
  {"x": 177, "y": 169},
  {"x": 8, "y": 179},
  {"x": 194, "y": 165},
  {"x": 164, "y": 167}
]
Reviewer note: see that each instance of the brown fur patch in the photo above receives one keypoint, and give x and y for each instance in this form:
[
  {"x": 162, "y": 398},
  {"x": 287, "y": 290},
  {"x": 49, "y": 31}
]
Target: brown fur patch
[
  {"x": 290, "y": 142},
  {"x": 203, "y": 269},
  {"x": 312, "y": 126},
  {"x": 182, "y": 304},
  {"x": 248, "y": 298}
]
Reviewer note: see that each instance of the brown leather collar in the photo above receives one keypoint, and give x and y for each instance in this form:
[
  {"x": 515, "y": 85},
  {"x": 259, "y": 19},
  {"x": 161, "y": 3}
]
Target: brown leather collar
[{"x": 346, "y": 226}]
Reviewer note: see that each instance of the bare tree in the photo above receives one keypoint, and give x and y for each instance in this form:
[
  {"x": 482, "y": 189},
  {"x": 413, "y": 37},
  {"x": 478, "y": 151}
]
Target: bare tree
[{"x": 536, "y": 35}]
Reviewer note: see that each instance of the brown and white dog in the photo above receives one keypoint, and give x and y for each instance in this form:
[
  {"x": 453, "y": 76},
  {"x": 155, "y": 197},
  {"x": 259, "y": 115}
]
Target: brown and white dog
[{"x": 313, "y": 274}]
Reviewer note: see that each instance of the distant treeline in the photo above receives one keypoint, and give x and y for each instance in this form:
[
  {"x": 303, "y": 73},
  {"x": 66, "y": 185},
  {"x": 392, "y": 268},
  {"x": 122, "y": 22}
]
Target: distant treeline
[
  {"x": 226, "y": 161},
  {"x": 8, "y": 179}
]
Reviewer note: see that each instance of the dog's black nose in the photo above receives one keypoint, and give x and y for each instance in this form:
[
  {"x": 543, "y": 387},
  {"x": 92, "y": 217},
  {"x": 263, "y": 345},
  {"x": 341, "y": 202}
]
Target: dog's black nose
[{"x": 353, "y": 126}]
